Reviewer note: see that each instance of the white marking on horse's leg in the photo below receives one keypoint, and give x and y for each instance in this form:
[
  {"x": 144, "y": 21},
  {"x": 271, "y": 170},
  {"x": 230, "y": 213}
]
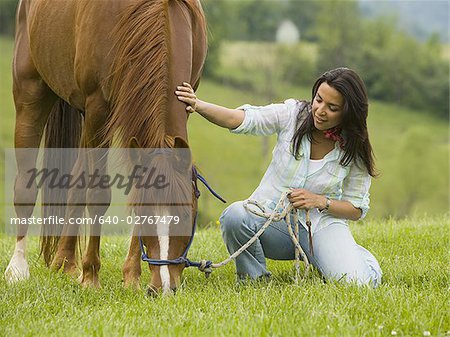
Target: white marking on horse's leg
[
  {"x": 164, "y": 255},
  {"x": 164, "y": 240},
  {"x": 18, "y": 267}
]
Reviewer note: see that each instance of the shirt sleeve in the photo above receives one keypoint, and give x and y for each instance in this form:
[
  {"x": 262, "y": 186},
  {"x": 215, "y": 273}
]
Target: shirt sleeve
[
  {"x": 266, "y": 120},
  {"x": 356, "y": 188}
]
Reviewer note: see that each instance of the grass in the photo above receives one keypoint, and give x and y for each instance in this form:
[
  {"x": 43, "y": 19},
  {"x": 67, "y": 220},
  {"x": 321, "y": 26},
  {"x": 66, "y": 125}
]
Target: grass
[
  {"x": 412, "y": 153},
  {"x": 6, "y": 102},
  {"x": 413, "y": 298}
]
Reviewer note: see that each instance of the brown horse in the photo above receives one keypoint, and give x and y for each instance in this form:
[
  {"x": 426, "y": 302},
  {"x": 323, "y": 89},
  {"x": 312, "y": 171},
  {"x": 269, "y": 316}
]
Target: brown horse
[{"x": 86, "y": 71}]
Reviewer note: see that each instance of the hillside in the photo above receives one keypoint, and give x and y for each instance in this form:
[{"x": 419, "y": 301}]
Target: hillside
[
  {"x": 433, "y": 18},
  {"x": 411, "y": 154},
  {"x": 412, "y": 151}
]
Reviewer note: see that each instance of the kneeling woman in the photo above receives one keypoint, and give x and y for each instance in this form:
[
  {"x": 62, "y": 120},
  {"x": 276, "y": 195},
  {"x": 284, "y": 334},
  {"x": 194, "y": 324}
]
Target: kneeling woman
[{"x": 324, "y": 158}]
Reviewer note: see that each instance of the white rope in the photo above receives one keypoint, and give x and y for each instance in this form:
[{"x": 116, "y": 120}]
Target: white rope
[{"x": 271, "y": 217}]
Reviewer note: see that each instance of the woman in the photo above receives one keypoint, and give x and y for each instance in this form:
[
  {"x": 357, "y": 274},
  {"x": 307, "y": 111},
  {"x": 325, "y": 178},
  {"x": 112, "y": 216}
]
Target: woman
[{"x": 324, "y": 158}]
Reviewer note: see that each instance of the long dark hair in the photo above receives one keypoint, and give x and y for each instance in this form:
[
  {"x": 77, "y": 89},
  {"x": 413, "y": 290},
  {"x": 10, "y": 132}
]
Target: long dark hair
[{"x": 354, "y": 122}]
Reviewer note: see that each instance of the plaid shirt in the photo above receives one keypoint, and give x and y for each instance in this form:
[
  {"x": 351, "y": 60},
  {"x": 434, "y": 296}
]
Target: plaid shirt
[{"x": 350, "y": 183}]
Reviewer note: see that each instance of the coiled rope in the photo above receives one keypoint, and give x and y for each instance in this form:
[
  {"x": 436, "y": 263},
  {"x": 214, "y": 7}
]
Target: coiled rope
[{"x": 287, "y": 209}]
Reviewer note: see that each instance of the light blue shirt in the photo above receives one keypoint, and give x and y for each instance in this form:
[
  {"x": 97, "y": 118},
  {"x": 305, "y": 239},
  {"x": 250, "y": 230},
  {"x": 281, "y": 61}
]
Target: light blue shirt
[{"x": 350, "y": 183}]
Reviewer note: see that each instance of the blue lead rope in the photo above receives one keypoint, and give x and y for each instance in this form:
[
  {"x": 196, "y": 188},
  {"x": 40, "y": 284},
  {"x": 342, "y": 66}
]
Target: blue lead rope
[
  {"x": 214, "y": 193},
  {"x": 205, "y": 265},
  {"x": 182, "y": 259}
]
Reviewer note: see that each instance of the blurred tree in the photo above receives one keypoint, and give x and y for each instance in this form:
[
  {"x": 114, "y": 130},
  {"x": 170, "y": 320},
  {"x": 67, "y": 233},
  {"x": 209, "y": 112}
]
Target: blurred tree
[
  {"x": 434, "y": 78},
  {"x": 304, "y": 15},
  {"x": 338, "y": 28},
  {"x": 296, "y": 65},
  {"x": 378, "y": 35},
  {"x": 261, "y": 18},
  {"x": 215, "y": 11},
  {"x": 395, "y": 66},
  {"x": 421, "y": 181},
  {"x": 398, "y": 68},
  {"x": 7, "y": 16}
]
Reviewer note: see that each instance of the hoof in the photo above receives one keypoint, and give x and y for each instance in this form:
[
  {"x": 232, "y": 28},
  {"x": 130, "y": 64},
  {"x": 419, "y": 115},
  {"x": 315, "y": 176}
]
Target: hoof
[
  {"x": 17, "y": 270},
  {"x": 152, "y": 292},
  {"x": 132, "y": 284},
  {"x": 72, "y": 271},
  {"x": 88, "y": 281},
  {"x": 69, "y": 268},
  {"x": 57, "y": 263},
  {"x": 91, "y": 284}
]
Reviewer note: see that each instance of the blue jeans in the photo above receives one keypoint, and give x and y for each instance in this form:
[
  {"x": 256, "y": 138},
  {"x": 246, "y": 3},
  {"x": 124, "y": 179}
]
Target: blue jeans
[{"x": 336, "y": 254}]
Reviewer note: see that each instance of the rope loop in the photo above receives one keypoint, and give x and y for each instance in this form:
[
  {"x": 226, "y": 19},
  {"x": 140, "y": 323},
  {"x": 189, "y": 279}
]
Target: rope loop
[
  {"x": 282, "y": 211},
  {"x": 205, "y": 267}
]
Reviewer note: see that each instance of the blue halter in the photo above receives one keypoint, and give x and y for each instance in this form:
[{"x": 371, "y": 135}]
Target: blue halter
[{"x": 204, "y": 265}]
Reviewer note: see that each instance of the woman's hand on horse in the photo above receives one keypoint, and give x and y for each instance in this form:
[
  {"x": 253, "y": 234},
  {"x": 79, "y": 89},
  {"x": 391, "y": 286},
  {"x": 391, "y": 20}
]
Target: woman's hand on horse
[
  {"x": 304, "y": 199},
  {"x": 186, "y": 94},
  {"x": 219, "y": 115}
]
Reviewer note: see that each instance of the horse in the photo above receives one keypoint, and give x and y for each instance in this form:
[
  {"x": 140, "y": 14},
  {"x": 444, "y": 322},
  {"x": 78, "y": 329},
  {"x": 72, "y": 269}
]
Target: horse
[{"x": 88, "y": 74}]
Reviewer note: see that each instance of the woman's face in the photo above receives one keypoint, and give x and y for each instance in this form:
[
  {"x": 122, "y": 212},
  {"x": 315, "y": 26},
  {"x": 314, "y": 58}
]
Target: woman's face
[{"x": 327, "y": 107}]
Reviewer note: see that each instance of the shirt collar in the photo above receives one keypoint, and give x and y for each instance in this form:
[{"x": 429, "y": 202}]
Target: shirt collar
[{"x": 305, "y": 150}]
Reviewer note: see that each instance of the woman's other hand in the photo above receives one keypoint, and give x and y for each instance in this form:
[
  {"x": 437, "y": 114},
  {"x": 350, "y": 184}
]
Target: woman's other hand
[{"x": 304, "y": 199}]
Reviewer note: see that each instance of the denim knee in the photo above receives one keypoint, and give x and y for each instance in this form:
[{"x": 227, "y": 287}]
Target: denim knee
[{"x": 233, "y": 217}]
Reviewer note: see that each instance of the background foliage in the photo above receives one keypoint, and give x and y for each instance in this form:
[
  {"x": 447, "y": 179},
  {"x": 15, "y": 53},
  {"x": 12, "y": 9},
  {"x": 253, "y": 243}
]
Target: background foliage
[
  {"x": 407, "y": 79},
  {"x": 397, "y": 66},
  {"x": 409, "y": 73}
]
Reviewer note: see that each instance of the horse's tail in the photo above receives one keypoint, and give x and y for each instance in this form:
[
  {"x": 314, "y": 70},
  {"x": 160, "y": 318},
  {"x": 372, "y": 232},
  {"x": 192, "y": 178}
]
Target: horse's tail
[{"x": 63, "y": 130}]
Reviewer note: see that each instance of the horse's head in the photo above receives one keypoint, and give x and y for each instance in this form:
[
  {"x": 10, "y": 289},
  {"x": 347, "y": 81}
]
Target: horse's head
[{"x": 164, "y": 206}]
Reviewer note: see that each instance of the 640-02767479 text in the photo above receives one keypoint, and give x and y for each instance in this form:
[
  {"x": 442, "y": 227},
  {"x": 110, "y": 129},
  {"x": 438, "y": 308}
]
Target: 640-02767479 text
[{"x": 106, "y": 219}]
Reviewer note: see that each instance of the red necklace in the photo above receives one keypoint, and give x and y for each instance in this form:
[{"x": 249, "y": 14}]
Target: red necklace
[{"x": 335, "y": 135}]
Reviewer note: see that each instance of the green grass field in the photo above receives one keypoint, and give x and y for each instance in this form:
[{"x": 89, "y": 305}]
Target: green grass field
[
  {"x": 414, "y": 297},
  {"x": 412, "y": 155}
]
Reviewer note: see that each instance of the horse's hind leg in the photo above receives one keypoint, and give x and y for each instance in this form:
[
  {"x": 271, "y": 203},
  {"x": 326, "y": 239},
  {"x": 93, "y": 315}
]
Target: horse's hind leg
[
  {"x": 34, "y": 101},
  {"x": 97, "y": 198},
  {"x": 132, "y": 266},
  {"x": 65, "y": 255}
]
